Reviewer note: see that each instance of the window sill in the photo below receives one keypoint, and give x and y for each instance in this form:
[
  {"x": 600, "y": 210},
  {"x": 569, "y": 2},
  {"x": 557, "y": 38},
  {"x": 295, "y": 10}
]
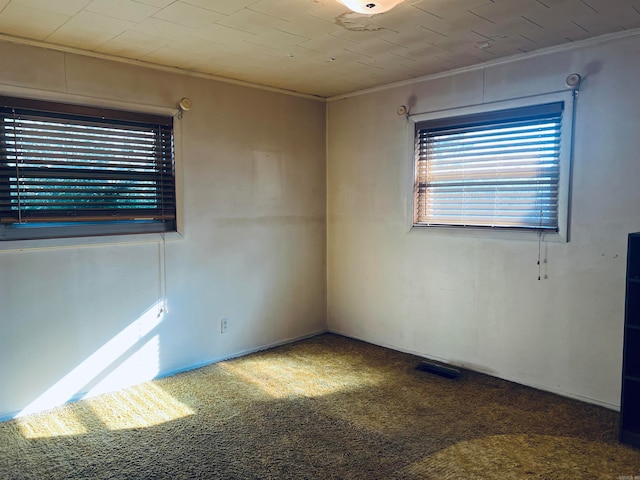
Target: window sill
[
  {"x": 488, "y": 233},
  {"x": 56, "y": 243}
]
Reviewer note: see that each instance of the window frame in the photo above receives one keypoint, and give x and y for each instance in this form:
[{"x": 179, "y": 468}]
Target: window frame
[
  {"x": 60, "y": 233},
  {"x": 565, "y": 165}
]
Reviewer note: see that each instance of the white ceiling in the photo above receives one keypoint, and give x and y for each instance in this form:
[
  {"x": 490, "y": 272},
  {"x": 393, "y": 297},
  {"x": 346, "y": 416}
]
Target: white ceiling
[{"x": 316, "y": 47}]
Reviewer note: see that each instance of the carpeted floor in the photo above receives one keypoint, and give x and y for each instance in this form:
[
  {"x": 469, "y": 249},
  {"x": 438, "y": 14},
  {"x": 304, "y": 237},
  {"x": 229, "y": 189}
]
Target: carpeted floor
[{"x": 327, "y": 407}]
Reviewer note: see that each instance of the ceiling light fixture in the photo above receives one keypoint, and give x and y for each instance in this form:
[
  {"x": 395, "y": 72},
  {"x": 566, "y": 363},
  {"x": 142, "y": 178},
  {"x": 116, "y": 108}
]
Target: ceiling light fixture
[{"x": 369, "y": 7}]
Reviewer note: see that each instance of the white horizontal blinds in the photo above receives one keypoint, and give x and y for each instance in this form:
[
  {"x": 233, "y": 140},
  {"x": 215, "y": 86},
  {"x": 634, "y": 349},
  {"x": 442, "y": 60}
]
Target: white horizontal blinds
[
  {"x": 499, "y": 169},
  {"x": 57, "y": 167}
]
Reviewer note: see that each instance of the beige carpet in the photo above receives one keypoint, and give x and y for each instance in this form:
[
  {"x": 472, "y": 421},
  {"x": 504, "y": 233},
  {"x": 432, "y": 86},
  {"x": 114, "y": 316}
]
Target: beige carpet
[{"x": 328, "y": 407}]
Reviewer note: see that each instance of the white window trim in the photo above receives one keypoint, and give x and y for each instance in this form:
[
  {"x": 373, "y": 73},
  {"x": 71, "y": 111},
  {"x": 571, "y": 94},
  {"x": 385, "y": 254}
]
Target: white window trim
[
  {"x": 47, "y": 243},
  {"x": 566, "y": 149}
]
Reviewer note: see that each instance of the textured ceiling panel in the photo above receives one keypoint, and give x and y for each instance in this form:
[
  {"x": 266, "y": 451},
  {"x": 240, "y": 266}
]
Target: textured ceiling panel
[{"x": 316, "y": 47}]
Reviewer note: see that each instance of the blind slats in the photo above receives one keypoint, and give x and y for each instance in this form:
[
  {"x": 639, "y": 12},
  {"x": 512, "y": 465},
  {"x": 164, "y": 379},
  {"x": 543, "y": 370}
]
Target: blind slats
[
  {"x": 56, "y": 131},
  {"x": 501, "y": 170},
  {"x": 65, "y": 167}
]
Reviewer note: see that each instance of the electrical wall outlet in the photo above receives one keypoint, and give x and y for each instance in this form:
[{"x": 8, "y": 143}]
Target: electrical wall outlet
[{"x": 224, "y": 325}]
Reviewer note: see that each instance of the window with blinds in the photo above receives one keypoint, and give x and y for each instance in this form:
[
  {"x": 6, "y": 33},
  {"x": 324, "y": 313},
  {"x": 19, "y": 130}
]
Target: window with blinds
[
  {"x": 497, "y": 169},
  {"x": 73, "y": 171}
]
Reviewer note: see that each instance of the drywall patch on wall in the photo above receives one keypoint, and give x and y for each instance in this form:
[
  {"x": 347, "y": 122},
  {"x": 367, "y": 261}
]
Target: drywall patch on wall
[{"x": 267, "y": 184}]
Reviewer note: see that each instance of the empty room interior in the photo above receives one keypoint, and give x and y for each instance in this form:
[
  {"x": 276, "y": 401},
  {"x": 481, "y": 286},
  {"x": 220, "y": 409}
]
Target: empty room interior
[{"x": 231, "y": 229}]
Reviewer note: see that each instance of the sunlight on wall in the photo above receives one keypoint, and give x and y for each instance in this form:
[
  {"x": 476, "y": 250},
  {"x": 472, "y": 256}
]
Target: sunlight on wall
[
  {"x": 141, "y": 366},
  {"x": 52, "y": 424},
  {"x": 74, "y": 382},
  {"x": 286, "y": 377},
  {"x": 138, "y": 407}
]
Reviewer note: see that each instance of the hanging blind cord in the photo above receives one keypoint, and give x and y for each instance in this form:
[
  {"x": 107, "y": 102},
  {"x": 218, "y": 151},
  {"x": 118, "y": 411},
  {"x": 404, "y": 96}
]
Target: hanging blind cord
[
  {"x": 162, "y": 253},
  {"x": 539, "y": 235},
  {"x": 539, "y": 249}
]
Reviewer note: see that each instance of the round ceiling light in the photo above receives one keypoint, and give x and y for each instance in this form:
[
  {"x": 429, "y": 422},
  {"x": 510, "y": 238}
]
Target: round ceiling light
[{"x": 369, "y": 7}]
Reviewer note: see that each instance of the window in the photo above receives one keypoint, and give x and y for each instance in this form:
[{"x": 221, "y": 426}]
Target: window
[
  {"x": 68, "y": 171},
  {"x": 500, "y": 169}
]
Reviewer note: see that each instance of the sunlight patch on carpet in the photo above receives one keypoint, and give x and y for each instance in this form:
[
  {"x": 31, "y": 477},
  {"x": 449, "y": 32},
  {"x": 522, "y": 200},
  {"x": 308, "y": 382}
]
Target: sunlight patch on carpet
[
  {"x": 60, "y": 423},
  {"x": 141, "y": 406},
  {"x": 525, "y": 456},
  {"x": 290, "y": 377}
]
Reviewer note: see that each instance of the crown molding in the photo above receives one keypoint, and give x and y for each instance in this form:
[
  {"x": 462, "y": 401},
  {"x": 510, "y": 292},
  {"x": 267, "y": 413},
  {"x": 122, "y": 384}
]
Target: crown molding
[
  {"x": 594, "y": 41},
  {"x": 153, "y": 66},
  {"x": 589, "y": 42}
]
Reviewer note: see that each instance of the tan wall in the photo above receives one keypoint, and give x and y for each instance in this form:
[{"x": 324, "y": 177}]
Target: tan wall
[
  {"x": 253, "y": 192},
  {"x": 475, "y": 300},
  {"x": 254, "y": 237}
]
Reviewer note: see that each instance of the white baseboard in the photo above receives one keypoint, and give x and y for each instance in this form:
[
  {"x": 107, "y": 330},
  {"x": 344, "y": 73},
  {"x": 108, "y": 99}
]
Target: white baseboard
[
  {"x": 168, "y": 373},
  {"x": 491, "y": 373},
  {"x": 241, "y": 353}
]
